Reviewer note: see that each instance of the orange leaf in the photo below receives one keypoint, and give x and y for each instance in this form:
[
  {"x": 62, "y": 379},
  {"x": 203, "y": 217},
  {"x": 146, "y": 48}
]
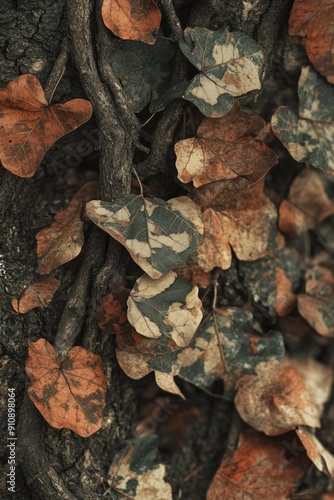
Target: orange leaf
[
  {"x": 132, "y": 19},
  {"x": 63, "y": 240},
  {"x": 29, "y": 126},
  {"x": 260, "y": 468},
  {"x": 38, "y": 294},
  {"x": 112, "y": 312},
  {"x": 69, "y": 394},
  {"x": 321, "y": 457},
  {"x": 225, "y": 148},
  {"x": 313, "y": 20}
]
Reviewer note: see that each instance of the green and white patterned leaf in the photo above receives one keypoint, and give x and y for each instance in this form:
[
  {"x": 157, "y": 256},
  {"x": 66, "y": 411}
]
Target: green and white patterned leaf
[
  {"x": 166, "y": 306},
  {"x": 143, "y": 70},
  {"x": 309, "y": 135},
  {"x": 159, "y": 235},
  {"x": 230, "y": 65}
]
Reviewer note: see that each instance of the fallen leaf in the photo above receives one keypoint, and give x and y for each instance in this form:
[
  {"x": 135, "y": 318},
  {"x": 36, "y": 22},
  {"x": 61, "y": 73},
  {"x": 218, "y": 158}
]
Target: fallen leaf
[
  {"x": 307, "y": 204},
  {"x": 63, "y": 240},
  {"x": 322, "y": 458},
  {"x": 38, "y": 294},
  {"x": 259, "y": 468},
  {"x": 111, "y": 312},
  {"x": 29, "y": 126},
  {"x": 69, "y": 394},
  {"x": 136, "y": 472},
  {"x": 132, "y": 19},
  {"x": 158, "y": 234},
  {"x": 166, "y": 306},
  {"x": 245, "y": 220},
  {"x": 225, "y": 148},
  {"x": 308, "y": 135},
  {"x": 284, "y": 395},
  {"x": 193, "y": 273},
  {"x": 313, "y": 21}
]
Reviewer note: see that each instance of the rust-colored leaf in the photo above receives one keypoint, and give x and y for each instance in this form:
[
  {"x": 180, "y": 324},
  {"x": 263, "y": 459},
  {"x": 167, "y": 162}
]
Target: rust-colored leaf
[
  {"x": 314, "y": 21},
  {"x": 63, "y": 240},
  {"x": 132, "y": 19},
  {"x": 38, "y": 294},
  {"x": 29, "y": 126},
  {"x": 69, "y": 394},
  {"x": 225, "y": 148},
  {"x": 112, "y": 312},
  {"x": 321, "y": 457},
  {"x": 260, "y": 468}
]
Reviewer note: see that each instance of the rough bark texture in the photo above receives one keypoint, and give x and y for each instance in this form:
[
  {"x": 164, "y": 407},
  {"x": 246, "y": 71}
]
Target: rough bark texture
[{"x": 58, "y": 464}]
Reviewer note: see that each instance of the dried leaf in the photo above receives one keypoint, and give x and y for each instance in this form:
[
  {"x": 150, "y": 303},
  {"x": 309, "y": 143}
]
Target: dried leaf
[
  {"x": 132, "y": 19},
  {"x": 69, "y": 394},
  {"x": 38, "y": 294},
  {"x": 193, "y": 273},
  {"x": 225, "y": 148},
  {"x": 259, "y": 468},
  {"x": 322, "y": 458},
  {"x": 111, "y": 312},
  {"x": 158, "y": 234},
  {"x": 63, "y": 240},
  {"x": 313, "y": 20},
  {"x": 308, "y": 135},
  {"x": 246, "y": 222},
  {"x": 167, "y": 306},
  {"x": 29, "y": 126},
  {"x": 136, "y": 472}
]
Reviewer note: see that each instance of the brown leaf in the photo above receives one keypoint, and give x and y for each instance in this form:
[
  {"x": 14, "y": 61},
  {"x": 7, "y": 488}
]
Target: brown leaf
[
  {"x": 69, "y": 394},
  {"x": 38, "y": 294},
  {"x": 63, "y": 240},
  {"x": 193, "y": 273},
  {"x": 285, "y": 395},
  {"x": 29, "y": 126},
  {"x": 307, "y": 204},
  {"x": 132, "y": 19},
  {"x": 246, "y": 222},
  {"x": 111, "y": 312},
  {"x": 225, "y": 148},
  {"x": 313, "y": 20},
  {"x": 260, "y": 468},
  {"x": 322, "y": 458}
]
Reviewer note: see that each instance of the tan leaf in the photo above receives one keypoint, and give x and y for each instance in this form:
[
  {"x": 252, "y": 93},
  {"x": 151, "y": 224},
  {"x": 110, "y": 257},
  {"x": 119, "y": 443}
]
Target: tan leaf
[
  {"x": 322, "y": 458},
  {"x": 38, "y": 294}
]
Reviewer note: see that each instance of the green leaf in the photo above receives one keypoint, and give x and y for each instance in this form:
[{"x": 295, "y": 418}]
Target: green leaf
[
  {"x": 159, "y": 235},
  {"x": 230, "y": 65},
  {"x": 136, "y": 472},
  {"x": 143, "y": 70},
  {"x": 309, "y": 135},
  {"x": 166, "y": 306}
]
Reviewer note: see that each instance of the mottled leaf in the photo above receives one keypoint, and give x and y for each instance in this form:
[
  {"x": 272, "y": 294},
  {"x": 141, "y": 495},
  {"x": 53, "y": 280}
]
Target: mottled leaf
[
  {"x": 166, "y": 306},
  {"x": 259, "y": 469},
  {"x": 111, "y": 311},
  {"x": 143, "y": 70},
  {"x": 29, "y": 126},
  {"x": 308, "y": 135},
  {"x": 38, "y": 294},
  {"x": 137, "y": 473},
  {"x": 132, "y": 19},
  {"x": 313, "y": 20},
  {"x": 159, "y": 235},
  {"x": 322, "y": 458},
  {"x": 63, "y": 240},
  {"x": 225, "y": 148},
  {"x": 69, "y": 394}
]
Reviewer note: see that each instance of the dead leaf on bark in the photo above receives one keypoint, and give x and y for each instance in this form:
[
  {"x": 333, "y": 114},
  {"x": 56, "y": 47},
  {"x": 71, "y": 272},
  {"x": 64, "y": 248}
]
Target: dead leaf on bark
[
  {"x": 111, "y": 312},
  {"x": 243, "y": 219},
  {"x": 322, "y": 458},
  {"x": 29, "y": 126},
  {"x": 282, "y": 396},
  {"x": 259, "y": 468},
  {"x": 225, "y": 148},
  {"x": 69, "y": 394},
  {"x": 313, "y": 21},
  {"x": 38, "y": 294},
  {"x": 193, "y": 273},
  {"x": 63, "y": 240},
  {"x": 132, "y": 19}
]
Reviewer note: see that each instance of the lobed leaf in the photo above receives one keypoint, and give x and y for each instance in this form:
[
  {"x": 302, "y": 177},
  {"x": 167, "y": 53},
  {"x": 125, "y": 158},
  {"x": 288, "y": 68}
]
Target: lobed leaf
[{"x": 38, "y": 294}]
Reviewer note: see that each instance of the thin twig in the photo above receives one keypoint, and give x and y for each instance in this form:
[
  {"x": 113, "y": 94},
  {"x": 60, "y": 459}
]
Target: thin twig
[
  {"x": 57, "y": 71},
  {"x": 172, "y": 18}
]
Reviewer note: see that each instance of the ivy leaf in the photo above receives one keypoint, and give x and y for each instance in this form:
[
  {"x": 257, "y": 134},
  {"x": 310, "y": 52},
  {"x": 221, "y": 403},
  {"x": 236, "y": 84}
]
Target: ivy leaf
[
  {"x": 312, "y": 20},
  {"x": 69, "y": 394},
  {"x": 308, "y": 135},
  {"x": 166, "y": 306},
  {"x": 132, "y": 19},
  {"x": 158, "y": 234},
  {"x": 143, "y": 70},
  {"x": 38, "y": 294},
  {"x": 136, "y": 472},
  {"x": 29, "y": 126}
]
